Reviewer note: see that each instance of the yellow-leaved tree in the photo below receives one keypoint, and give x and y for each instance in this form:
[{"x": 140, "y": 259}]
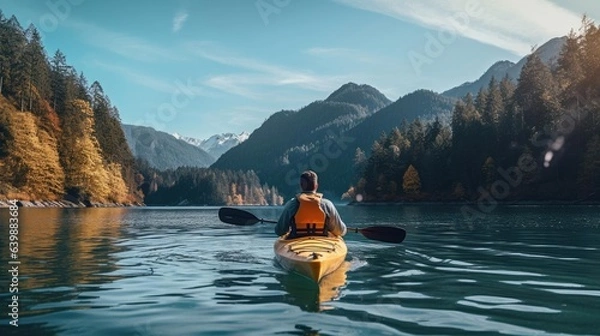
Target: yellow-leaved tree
[
  {"x": 411, "y": 182},
  {"x": 87, "y": 176},
  {"x": 31, "y": 166}
]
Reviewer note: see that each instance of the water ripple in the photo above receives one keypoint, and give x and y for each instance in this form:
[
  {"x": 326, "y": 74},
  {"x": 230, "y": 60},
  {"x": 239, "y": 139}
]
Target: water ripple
[
  {"x": 490, "y": 271},
  {"x": 182, "y": 272}
]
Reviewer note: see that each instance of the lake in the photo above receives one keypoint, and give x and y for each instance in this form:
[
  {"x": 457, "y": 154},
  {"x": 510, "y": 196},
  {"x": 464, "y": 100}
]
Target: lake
[{"x": 520, "y": 270}]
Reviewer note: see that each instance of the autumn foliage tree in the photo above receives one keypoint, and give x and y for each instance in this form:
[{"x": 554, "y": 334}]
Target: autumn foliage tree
[
  {"x": 53, "y": 143},
  {"x": 411, "y": 182}
]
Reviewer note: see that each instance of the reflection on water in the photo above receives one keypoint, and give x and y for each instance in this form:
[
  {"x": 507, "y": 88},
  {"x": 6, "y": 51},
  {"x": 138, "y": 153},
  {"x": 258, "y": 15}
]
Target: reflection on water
[
  {"x": 310, "y": 296},
  {"x": 64, "y": 249},
  {"x": 64, "y": 253},
  {"x": 239, "y": 287},
  {"x": 519, "y": 271}
]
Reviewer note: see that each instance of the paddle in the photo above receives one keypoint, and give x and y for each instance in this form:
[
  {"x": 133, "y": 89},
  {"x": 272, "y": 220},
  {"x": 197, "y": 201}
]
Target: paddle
[
  {"x": 239, "y": 217},
  {"x": 387, "y": 234}
]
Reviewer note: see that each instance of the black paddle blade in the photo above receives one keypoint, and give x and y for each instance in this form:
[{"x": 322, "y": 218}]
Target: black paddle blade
[
  {"x": 388, "y": 234},
  {"x": 237, "y": 216}
]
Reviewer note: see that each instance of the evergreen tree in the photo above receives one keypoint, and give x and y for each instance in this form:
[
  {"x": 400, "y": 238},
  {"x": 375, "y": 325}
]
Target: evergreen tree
[
  {"x": 82, "y": 86},
  {"x": 537, "y": 95},
  {"x": 4, "y": 66},
  {"x": 494, "y": 105},
  {"x": 58, "y": 81},
  {"x": 37, "y": 67},
  {"x": 467, "y": 153},
  {"x": 590, "y": 42},
  {"x": 435, "y": 171},
  {"x": 507, "y": 89},
  {"x": 416, "y": 138},
  {"x": 490, "y": 118},
  {"x": 13, "y": 72},
  {"x": 507, "y": 129},
  {"x": 481, "y": 100},
  {"x": 570, "y": 67}
]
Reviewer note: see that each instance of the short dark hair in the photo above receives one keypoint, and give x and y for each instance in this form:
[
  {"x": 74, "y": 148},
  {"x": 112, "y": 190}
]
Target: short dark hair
[{"x": 309, "y": 180}]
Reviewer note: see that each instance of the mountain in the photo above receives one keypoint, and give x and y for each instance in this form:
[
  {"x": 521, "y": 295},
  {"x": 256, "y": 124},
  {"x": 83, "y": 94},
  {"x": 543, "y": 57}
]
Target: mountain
[
  {"x": 324, "y": 136},
  {"x": 548, "y": 52},
  {"x": 190, "y": 140},
  {"x": 423, "y": 104},
  {"x": 288, "y": 138},
  {"x": 361, "y": 95},
  {"x": 162, "y": 150},
  {"x": 217, "y": 144}
]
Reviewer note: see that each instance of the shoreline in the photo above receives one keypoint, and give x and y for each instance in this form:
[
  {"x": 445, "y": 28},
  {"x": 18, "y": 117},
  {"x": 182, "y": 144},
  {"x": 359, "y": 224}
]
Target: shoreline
[
  {"x": 4, "y": 203},
  {"x": 471, "y": 203}
]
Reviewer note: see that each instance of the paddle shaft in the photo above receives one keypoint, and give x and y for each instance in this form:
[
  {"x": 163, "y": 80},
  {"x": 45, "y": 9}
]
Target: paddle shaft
[{"x": 388, "y": 234}]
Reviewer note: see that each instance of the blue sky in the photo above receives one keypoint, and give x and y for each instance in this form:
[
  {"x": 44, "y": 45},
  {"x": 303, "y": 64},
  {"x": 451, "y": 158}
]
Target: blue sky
[{"x": 204, "y": 67}]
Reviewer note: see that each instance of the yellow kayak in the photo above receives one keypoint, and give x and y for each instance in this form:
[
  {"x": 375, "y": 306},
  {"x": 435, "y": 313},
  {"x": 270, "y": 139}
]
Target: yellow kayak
[{"x": 313, "y": 257}]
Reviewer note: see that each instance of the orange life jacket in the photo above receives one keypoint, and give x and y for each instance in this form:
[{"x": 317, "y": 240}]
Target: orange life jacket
[{"x": 309, "y": 220}]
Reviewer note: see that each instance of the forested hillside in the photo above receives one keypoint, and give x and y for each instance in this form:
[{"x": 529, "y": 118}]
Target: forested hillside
[
  {"x": 422, "y": 105},
  {"x": 533, "y": 141},
  {"x": 285, "y": 143},
  {"x": 204, "y": 186},
  {"x": 58, "y": 134}
]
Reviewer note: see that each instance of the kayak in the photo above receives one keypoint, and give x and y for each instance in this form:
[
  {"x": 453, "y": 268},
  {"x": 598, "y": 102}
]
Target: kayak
[{"x": 313, "y": 257}]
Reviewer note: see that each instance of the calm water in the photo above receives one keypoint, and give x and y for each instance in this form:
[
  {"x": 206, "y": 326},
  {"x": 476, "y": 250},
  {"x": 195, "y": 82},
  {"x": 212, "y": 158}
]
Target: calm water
[{"x": 179, "y": 271}]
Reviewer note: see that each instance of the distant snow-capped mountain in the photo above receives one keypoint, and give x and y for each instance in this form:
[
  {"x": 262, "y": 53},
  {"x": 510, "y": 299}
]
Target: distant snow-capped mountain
[
  {"x": 217, "y": 144},
  {"x": 162, "y": 151}
]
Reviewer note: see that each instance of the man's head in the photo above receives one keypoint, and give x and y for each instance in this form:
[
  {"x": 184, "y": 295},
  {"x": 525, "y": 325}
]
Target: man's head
[{"x": 309, "y": 181}]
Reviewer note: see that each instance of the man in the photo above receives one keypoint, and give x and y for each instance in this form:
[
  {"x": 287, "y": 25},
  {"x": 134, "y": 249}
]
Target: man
[{"x": 309, "y": 214}]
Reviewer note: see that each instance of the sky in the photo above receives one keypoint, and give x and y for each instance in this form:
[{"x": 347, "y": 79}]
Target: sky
[{"x": 203, "y": 67}]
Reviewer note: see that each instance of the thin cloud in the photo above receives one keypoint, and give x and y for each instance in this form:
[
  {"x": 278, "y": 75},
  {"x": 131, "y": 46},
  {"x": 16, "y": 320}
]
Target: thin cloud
[
  {"x": 257, "y": 73},
  {"x": 241, "y": 115},
  {"x": 179, "y": 20},
  {"x": 344, "y": 53},
  {"x": 159, "y": 85},
  {"x": 507, "y": 24},
  {"x": 127, "y": 46},
  {"x": 239, "y": 84},
  {"x": 148, "y": 81}
]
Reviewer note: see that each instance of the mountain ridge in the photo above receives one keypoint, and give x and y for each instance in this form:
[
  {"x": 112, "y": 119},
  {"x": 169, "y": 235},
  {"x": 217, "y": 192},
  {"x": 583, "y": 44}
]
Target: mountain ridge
[
  {"x": 548, "y": 53},
  {"x": 217, "y": 144},
  {"x": 162, "y": 150}
]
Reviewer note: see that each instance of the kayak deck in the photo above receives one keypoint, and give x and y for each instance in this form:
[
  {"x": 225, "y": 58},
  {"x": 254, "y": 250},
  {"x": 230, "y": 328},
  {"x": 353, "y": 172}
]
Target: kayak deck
[{"x": 313, "y": 257}]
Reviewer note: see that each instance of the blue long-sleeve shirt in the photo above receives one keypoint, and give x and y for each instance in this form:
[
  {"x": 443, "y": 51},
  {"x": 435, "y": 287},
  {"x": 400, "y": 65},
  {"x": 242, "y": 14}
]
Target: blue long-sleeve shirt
[{"x": 333, "y": 222}]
